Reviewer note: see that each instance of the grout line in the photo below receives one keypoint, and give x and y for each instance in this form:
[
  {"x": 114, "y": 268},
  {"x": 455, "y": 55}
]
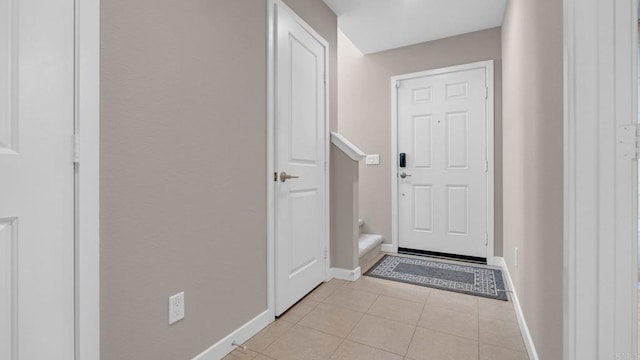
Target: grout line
[
  {"x": 415, "y": 329},
  {"x": 404, "y": 299},
  {"x": 356, "y": 325},
  {"x": 460, "y": 337},
  {"x": 373, "y": 302},
  {"x": 374, "y": 347},
  {"x": 383, "y": 318},
  {"x": 275, "y": 339},
  {"x": 336, "y": 350},
  {"x": 325, "y": 332}
]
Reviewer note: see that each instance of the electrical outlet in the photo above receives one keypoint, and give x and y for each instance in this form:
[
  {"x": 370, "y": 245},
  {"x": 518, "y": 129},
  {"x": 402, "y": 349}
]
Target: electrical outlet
[
  {"x": 372, "y": 159},
  {"x": 176, "y": 308},
  {"x": 516, "y": 257}
]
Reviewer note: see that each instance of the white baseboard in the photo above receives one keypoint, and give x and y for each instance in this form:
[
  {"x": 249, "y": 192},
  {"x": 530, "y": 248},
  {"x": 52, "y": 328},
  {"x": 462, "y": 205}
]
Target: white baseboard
[
  {"x": 344, "y": 274},
  {"x": 389, "y": 248},
  {"x": 244, "y": 333},
  {"x": 524, "y": 329},
  {"x": 495, "y": 261}
]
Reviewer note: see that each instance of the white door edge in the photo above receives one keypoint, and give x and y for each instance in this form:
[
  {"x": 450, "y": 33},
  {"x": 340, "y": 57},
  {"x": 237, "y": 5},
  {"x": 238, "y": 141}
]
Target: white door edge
[
  {"x": 87, "y": 208},
  {"x": 271, "y": 219},
  {"x": 600, "y": 187},
  {"x": 488, "y": 66}
]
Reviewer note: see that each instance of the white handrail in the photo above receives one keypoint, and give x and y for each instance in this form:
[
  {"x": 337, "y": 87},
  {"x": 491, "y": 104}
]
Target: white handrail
[{"x": 347, "y": 147}]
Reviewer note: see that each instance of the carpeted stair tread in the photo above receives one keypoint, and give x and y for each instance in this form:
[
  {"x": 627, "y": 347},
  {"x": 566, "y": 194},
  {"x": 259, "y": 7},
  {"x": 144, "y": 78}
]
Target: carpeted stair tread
[{"x": 367, "y": 242}]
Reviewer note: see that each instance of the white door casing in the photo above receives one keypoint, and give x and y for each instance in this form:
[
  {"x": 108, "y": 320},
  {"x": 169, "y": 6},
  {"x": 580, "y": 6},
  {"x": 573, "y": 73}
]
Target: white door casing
[
  {"x": 300, "y": 151},
  {"x": 37, "y": 84},
  {"x": 443, "y": 122},
  {"x": 87, "y": 92}
]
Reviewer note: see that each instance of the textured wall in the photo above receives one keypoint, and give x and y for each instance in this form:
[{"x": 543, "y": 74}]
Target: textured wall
[
  {"x": 533, "y": 164},
  {"x": 364, "y": 112},
  {"x": 183, "y": 166}
]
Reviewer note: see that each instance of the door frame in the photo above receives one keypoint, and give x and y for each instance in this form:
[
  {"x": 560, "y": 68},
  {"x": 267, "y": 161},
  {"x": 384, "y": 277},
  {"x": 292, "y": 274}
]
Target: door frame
[
  {"x": 271, "y": 146},
  {"x": 488, "y": 67},
  {"x": 600, "y": 182},
  {"x": 87, "y": 179}
]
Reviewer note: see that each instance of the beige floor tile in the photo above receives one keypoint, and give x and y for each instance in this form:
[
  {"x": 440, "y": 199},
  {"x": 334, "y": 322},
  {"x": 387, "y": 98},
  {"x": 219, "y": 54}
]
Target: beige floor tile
[
  {"x": 369, "y": 284},
  {"x": 300, "y": 310},
  {"x": 396, "y": 309},
  {"x": 316, "y": 326},
  {"x": 450, "y": 322},
  {"x": 388, "y": 335},
  {"x": 332, "y": 319},
  {"x": 322, "y": 292},
  {"x": 490, "y": 352},
  {"x": 262, "y": 357},
  {"x": 353, "y": 351},
  {"x": 338, "y": 282},
  {"x": 407, "y": 292},
  {"x": 496, "y": 310},
  {"x": 302, "y": 343},
  {"x": 448, "y": 300},
  {"x": 432, "y": 345},
  {"x": 241, "y": 354},
  {"x": 268, "y": 335},
  {"x": 352, "y": 299},
  {"x": 501, "y": 333}
]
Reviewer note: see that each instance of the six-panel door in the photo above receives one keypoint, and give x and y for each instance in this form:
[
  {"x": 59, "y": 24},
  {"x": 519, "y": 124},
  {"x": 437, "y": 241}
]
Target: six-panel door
[{"x": 442, "y": 128}]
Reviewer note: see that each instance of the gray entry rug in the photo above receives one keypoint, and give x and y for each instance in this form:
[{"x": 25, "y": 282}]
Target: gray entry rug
[{"x": 464, "y": 279}]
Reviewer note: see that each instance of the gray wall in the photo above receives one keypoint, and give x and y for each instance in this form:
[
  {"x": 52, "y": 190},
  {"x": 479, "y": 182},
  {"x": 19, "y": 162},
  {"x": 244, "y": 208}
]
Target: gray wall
[
  {"x": 364, "y": 111},
  {"x": 183, "y": 143},
  {"x": 533, "y": 164},
  {"x": 344, "y": 210}
]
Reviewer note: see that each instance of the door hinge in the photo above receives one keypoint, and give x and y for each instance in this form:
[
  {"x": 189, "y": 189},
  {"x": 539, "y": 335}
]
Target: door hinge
[
  {"x": 486, "y": 165},
  {"x": 397, "y": 84},
  {"x": 76, "y": 148},
  {"x": 486, "y": 239},
  {"x": 326, "y": 253},
  {"x": 628, "y": 141},
  {"x": 325, "y": 77},
  {"x": 486, "y": 92}
]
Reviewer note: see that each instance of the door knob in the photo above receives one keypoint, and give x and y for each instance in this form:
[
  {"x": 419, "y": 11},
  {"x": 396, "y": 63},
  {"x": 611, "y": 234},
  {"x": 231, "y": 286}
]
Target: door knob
[
  {"x": 284, "y": 176},
  {"x": 404, "y": 175}
]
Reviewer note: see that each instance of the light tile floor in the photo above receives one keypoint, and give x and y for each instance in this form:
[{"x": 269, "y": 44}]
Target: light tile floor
[{"x": 374, "y": 319}]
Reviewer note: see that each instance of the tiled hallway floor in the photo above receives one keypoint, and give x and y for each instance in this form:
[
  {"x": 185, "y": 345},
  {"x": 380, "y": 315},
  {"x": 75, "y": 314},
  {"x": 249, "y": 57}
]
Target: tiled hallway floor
[{"x": 373, "y": 319}]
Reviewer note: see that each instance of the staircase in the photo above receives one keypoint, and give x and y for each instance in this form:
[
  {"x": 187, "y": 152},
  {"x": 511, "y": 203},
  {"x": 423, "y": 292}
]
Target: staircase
[{"x": 368, "y": 245}]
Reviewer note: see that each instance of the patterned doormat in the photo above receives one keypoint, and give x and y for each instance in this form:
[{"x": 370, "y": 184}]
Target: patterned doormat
[{"x": 464, "y": 279}]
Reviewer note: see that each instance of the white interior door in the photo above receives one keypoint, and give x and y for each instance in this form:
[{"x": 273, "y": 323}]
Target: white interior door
[
  {"x": 36, "y": 179},
  {"x": 300, "y": 151},
  {"x": 442, "y": 190}
]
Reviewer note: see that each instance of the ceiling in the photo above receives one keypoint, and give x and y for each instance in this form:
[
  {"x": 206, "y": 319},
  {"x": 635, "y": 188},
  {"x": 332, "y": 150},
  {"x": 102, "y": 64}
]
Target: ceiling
[{"x": 378, "y": 25}]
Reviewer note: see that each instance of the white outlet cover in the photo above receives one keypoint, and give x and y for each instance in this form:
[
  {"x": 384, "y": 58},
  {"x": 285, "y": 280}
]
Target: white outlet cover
[
  {"x": 373, "y": 159},
  {"x": 176, "y": 308}
]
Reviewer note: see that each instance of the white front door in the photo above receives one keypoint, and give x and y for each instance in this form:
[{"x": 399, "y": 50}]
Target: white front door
[
  {"x": 442, "y": 189},
  {"x": 300, "y": 145},
  {"x": 36, "y": 179}
]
